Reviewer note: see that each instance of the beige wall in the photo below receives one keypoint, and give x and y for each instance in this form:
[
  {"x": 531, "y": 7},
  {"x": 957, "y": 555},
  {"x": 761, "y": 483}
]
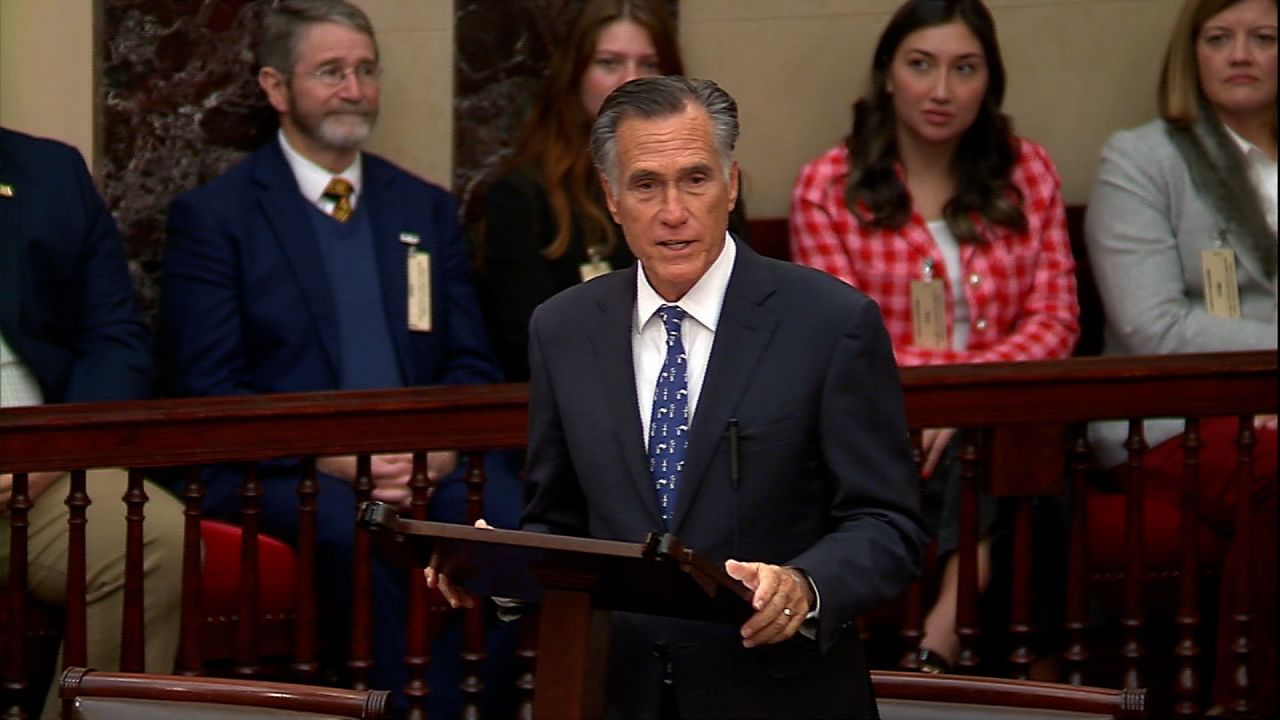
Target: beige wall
[
  {"x": 1078, "y": 69},
  {"x": 415, "y": 128},
  {"x": 47, "y": 45},
  {"x": 51, "y": 94}
]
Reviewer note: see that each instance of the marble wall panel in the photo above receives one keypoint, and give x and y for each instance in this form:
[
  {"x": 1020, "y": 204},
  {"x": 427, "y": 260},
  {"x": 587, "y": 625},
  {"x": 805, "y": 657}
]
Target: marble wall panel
[
  {"x": 179, "y": 106},
  {"x": 501, "y": 53}
]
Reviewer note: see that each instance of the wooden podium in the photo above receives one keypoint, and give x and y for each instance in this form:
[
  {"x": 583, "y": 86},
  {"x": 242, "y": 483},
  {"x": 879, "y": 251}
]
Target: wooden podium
[{"x": 576, "y": 581}]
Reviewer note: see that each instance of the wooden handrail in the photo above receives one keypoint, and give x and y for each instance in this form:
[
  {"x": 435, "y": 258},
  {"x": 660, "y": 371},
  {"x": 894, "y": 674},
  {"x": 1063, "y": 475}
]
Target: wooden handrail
[
  {"x": 1022, "y": 408},
  {"x": 166, "y": 432}
]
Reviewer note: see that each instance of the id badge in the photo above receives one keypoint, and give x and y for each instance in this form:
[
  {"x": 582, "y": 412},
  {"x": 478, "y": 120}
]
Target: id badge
[
  {"x": 928, "y": 315},
  {"x": 594, "y": 269},
  {"x": 1221, "y": 287},
  {"x": 419, "y": 274}
]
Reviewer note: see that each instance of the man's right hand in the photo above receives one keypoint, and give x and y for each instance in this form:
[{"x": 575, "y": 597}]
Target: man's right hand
[{"x": 453, "y": 594}]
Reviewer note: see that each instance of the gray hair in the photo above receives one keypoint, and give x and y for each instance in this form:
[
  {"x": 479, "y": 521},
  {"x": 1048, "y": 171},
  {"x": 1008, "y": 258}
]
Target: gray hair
[
  {"x": 276, "y": 45},
  {"x": 653, "y": 98}
]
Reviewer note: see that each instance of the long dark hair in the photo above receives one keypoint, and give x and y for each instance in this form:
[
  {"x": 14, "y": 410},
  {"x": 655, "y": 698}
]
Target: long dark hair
[
  {"x": 553, "y": 142},
  {"x": 984, "y": 158}
]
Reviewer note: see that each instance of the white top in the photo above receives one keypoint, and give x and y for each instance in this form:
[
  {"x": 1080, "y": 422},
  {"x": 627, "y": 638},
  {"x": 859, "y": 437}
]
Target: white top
[
  {"x": 313, "y": 179},
  {"x": 950, "y": 250},
  {"x": 1262, "y": 173},
  {"x": 698, "y": 330},
  {"x": 18, "y": 386}
]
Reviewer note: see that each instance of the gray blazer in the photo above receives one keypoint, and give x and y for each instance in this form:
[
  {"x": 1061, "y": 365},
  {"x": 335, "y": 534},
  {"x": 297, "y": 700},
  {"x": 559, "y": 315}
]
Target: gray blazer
[{"x": 1146, "y": 225}]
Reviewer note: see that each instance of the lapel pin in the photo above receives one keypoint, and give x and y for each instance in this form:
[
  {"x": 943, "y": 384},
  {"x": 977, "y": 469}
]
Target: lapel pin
[
  {"x": 409, "y": 238},
  {"x": 6, "y": 190}
]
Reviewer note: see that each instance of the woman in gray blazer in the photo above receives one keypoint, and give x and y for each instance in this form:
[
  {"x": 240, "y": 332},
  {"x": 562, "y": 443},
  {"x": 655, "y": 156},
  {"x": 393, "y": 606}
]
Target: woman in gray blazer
[{"x": 1181, "y": 231}]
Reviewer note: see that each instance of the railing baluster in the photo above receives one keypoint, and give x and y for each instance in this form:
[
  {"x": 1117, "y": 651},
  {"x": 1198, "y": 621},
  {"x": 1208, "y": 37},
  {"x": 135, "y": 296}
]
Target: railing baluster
[
  {"x": 417, "y": 645},
  {"x": 248, "y": 607},
  {"x": 527, "y": 661},
  {"x": 1242, "y": 610},
  {"x": 1186, "y": 687},
  {"x": 305, "y": 666},
  {"x": 967, "y": 553},
  {"x": 1135, "y": 569},
  {"x": 473, "y": 650},
  {"x": 190, "y": 658},
  {"x": 132, "y": 631},
  {"x": 361, "y": 659},
  {"x": 75, "y": 638},
  {"x": 16, "y": 681},
  {"x": 1077, "y": 652},
  {"x": 911, "y": 632},
  {"x": 1020, "y": 656}
]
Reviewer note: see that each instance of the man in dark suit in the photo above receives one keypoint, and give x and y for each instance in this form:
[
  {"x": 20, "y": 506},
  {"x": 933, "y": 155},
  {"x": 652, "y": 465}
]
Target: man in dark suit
[
  {"x": 646, "y": 383},
  {"x": 71, "y": 331},
  {"x": 315, "y": 266}
]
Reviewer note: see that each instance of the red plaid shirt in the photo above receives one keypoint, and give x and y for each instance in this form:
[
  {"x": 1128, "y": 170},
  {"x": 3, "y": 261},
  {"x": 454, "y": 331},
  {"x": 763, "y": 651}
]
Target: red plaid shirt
[{"x": 1021, "y": 287}]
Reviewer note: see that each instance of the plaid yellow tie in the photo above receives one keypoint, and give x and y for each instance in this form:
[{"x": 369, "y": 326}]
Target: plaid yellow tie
[{"x": 339, "y": 191}]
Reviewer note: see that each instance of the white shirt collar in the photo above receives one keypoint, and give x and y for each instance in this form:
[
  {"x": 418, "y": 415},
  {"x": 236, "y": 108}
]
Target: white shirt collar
[
  {"x": 703, "y": 301},
  {"x": 312, "y": 179},
  {"x": 1246, "y": 148},
  {"x": 1262, "y": 171}
]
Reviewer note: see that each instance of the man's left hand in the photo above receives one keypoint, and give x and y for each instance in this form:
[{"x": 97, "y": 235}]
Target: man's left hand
[{"x": 782, "y": 600}]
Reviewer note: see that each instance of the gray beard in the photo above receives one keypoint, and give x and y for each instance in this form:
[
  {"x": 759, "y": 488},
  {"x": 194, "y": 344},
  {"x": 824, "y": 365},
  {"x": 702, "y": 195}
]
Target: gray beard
[{"x": 343, "y": 138}]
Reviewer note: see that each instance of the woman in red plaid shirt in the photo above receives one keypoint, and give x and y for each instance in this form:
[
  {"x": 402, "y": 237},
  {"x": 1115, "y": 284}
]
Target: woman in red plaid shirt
[{"x": 933, "y": 204}]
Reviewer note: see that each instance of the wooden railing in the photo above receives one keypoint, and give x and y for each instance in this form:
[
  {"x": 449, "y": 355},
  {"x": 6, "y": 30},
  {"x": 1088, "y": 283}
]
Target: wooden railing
[{"x": 1029, "y": 416}]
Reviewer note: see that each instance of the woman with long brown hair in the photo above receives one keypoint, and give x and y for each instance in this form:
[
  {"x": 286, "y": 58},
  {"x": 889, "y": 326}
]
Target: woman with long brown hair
[
  {"x": 544, "y": 223},
  {"x": 954, "y": 225}
]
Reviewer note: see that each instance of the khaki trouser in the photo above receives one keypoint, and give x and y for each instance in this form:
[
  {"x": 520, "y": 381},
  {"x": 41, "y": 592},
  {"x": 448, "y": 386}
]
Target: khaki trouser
[{"x": 104, "y": 568}]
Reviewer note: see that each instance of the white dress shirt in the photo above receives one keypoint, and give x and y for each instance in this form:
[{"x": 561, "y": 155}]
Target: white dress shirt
[
  {"x": 1262, "y": 174},
  {"x": 18, "y": 385},
  {"x": 702, "y": 305},
  {"x": 698, "y": 330},
  {"x": 313, "y": 179}
]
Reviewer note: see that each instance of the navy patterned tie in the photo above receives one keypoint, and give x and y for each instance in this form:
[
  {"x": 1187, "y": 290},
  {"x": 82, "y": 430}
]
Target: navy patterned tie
[{"x": 669, "y": 423}]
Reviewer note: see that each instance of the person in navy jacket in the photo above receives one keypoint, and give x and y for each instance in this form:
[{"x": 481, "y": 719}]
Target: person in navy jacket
[
  {"x": 313, "y": 265},
  {"x": 71, "y": 331}
]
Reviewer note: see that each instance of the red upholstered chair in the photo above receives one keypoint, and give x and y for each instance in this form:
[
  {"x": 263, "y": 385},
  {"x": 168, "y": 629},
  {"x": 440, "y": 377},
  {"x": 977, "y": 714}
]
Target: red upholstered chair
[
  {"x": 1161, "y": 535},
  {"x": 277, "y": 576}
]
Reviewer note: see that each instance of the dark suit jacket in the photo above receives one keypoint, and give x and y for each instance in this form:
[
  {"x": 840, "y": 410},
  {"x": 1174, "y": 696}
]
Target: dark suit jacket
[
  {"x": 67, "y": 306},
  {"x": 804, "y": 364},
  {"x": 247, "y": 306}
]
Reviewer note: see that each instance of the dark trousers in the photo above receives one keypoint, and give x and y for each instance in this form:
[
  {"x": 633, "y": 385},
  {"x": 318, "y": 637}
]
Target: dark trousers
[{"x": 335, "y": 533}]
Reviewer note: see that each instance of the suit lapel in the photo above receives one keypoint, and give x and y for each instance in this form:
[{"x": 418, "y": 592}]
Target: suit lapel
[
  {"x": 379, "y": 203},
  {"x": 611, "y": 344},
  {"x": 742, "y": 334},
  {"x": 287, "y": 212},
  {"x": 10, "y": 236}
]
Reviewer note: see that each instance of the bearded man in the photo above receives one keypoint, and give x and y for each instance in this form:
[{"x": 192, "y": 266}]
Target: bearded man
[{"x": 313, "y": 265}]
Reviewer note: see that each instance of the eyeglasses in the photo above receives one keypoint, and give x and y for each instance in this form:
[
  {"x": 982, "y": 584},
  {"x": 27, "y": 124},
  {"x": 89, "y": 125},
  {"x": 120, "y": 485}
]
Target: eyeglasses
[{"x": 332, "y": 75}]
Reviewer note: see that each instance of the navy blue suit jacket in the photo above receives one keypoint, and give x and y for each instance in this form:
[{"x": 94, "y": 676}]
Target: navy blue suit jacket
[
  {"x": 67, "y": 306},
  {"x": 802, "y": 362},
  {"x": 247, "y": 305}
]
